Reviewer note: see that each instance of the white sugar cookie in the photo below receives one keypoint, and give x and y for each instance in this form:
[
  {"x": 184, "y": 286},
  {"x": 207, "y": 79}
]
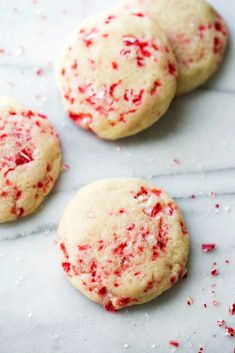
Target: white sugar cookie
[
  {"x": 197, "y": 33},
  {"x": 117, "y": 74},
  {"x": 123, "y": 242},
  {"x": 29, "y": 159}
]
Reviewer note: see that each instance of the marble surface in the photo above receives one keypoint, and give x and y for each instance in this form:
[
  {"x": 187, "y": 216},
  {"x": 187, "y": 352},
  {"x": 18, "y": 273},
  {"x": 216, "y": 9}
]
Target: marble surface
[{"x": 191, "y": 151}]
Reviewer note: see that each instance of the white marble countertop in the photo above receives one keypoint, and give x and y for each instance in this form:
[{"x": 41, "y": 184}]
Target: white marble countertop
[{"x": 189, "y": 152}]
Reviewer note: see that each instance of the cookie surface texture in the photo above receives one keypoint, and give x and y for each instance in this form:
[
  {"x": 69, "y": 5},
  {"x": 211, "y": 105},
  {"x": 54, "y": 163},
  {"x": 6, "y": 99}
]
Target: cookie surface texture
[
  {"x": 122, "y": 242},
  {"x": 117, "y": 74},
  {"x": 30, "y": 159},
  {"x": 197, "y": 33}
]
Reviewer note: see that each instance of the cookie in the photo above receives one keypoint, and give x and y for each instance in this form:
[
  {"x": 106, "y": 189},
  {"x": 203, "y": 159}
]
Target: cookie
[
  {"x": 117, "y": 74},
  {"x": 30, "y": 159},
  {"x": 197, "y": 33},
  {"x": 123, "y": 242}
]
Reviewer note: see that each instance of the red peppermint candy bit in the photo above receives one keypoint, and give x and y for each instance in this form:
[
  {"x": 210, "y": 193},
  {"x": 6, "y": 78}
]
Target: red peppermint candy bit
[
  {"x": 208, "y": 247},
  {"x": 115, "y": 65},
  {"x": 174, "y": 343},
  {"x": 220, "y": 323},
  {"x": 156, "y": 210},
  {"x": 83, "y": 247},
  {"x": 109, "y": 307},
  {"x": 64, "y": 250},
  {"x": 89, "y": 37},
  {"x": 214, "y": 271},
  {"x": 81, "y": 118},
  {"x": 217, "y": 45},
  {"x": 156, "y": 87},
  {"x": 190, "y": 301},
  {"x": 109, "y": 19},
  {"x": 39, "y": 72},
  {"x": 23, "y": 157},
  {"x": 229, "y": 331},
  {"x": 172, "y": 70},
  {"x": 138, "y": 14},
  {"x": 131, "y": 227},
  {"x": 232, "y": 309},
  {"x": 102, "y": 291},
  {"x": 113, "y": 87},
  {"x": 66, "y": 266}
]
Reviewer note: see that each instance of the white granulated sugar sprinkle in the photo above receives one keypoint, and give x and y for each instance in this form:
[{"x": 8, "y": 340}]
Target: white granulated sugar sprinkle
[
  {"x": 18, "y": 259},
  {"x": 55, "y": 336},
  {"x": 30, "y": 315},
  {"x": 227, "y": 209},
  {"x": 19, "y": 51},
  {"x": 153, "y": 346},
  {"x": 126, "y": 345},
  {"x": 147, "y": 315}
]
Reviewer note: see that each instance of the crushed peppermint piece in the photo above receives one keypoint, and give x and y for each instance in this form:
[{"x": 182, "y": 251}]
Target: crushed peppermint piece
[
  {"x": 229, "y": 331},
  {"x": 64, "y": 167},
  {"x": 220, "y": 323},
  {"x": 39, "y": 72},
  {"x": 174, "y": 343},
  {"x": 232, "y": 309},
  {"x": 190, "y": 301},
  {"x": 208, "y": 247},
  {"x": 214, "y": 271},
  {"x": 215, "y": 302}
]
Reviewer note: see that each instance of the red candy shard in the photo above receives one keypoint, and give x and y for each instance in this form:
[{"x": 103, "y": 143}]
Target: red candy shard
[
  {"x": 66, "y": 267},
  {"x": 83, "y": 247},
  {"x": 64, "y": 250},
  {"x": 208, "y": 247},
  {"x": 174, "y": 343},
  {"x": 23, "y": 157},
  {"x": 214, "y": 271},
  {"x": 220, "y": 323},
  {"x": 81, "y": 118},
  {"x": 232, "y": 309},
  {"x": 156, "y": 210},
  {"x": 114, "y": 65},
  {"x": 119, "y": 249},
  {"x": 172, "y": 69},
  {"x": 109, "y": 307},
  {"x": 190, "y": 301},
  {"x": 229, "y": 331},
  {"x": 156, "y": 87},
  {"x": 102, "y": 291}
]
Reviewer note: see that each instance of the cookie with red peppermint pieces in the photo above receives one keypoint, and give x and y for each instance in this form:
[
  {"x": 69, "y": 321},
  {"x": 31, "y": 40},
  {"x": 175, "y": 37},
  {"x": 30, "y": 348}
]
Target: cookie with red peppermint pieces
[
  {"x": 117, "y": 74},
  {"x": 197, "y": 33},
  {"x": 123, "y": 242},
  {"x": 30, "y": 159}
]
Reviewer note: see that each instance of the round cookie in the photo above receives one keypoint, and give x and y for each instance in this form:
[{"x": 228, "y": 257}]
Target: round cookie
[
  {"x": 117, "y": 74},
  {"x": 197, "y": 33},
  {"x": 30, "y": 159},
  {"x": 123, "y": 242}
]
